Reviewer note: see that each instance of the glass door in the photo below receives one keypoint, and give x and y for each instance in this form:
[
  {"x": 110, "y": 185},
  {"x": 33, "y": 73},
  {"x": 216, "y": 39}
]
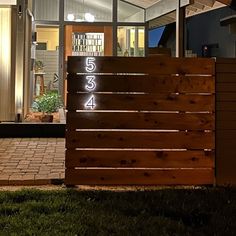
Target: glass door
[{"x": 46, "y": 60}]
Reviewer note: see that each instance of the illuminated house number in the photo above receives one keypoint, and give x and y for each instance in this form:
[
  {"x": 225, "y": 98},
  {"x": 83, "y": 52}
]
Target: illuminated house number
[{"x": 91, "y": 83}]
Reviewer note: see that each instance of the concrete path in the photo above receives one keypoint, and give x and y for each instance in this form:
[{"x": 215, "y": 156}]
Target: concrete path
[{"x": 32, "y": 161}]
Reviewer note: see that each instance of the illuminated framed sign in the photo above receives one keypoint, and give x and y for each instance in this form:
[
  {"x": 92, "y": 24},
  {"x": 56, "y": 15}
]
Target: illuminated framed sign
[
  {"x": 90, "y": 67},
  {"x": 7, "y": 2}
]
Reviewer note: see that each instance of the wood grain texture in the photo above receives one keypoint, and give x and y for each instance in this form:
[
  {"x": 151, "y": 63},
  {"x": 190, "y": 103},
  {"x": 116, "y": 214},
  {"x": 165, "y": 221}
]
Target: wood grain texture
[
  {"x": 144, "y": 102},
  {"x": 226, "y": 96},
  {"x": 140, "y": 159},
  {"x": 151, "y": 65},
  {"x": 226, "y": 77},
  {"x": 221, "y": 60},
  {"x": 68, "y": 41},
  {"x": 125, "y": 120},
  {"x": 226, "y": 121},
  {"x": 108, "y": 40},
  {"x": 225, "y": 159},
  {"x": 144, "y": 83},
  {"x": 226, "y": 87},
  {"x": 119, "y": 139},
  {"x": 226, "y": 68},
  {"x": 139, "y": 177},
  {"x": 226, "y": 106},
  {"x": 227, "y": 135},
  {"x": 226, "y": 116}
]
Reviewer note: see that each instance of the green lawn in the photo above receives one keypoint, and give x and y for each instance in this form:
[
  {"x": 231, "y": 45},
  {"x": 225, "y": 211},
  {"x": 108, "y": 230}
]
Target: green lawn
[{"x": 201, "y": 211}]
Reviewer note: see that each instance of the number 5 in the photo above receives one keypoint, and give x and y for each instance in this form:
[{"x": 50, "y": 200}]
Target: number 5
[{"x": 90, "y": 65}]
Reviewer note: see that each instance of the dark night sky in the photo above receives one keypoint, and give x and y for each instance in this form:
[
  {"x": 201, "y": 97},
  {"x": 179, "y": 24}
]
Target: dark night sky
[{"x": 154, "y": 36}]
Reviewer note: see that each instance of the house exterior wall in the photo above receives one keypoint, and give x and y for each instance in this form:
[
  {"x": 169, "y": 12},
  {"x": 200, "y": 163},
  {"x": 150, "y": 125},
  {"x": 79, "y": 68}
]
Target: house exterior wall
[{"x": 206, "y": 29}]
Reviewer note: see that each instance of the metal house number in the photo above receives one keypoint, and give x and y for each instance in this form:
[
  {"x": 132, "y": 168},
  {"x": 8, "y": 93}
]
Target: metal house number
[{"x": 91, "y": 83}]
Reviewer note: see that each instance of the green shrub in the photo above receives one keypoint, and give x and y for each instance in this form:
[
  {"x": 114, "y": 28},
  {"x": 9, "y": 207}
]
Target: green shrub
[{"x": 47, "y": 103}]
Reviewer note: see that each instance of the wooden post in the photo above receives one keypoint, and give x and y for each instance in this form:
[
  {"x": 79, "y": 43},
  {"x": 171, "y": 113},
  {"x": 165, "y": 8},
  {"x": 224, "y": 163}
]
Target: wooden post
[{"x": 225, "y": 121}]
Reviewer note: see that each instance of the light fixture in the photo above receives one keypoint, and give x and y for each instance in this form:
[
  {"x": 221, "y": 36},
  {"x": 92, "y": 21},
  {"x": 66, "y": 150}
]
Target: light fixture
[
  {"x": 89, "y": 17},
  {"x": 70, "y": 17},
  {"x": 78, "y": 20}
]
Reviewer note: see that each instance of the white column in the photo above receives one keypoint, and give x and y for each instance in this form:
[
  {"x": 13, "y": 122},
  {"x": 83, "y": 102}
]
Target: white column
[
  {"x": 5, "y": 65},
  {"x": 177, "y": 27},
  {"x": 20, "y": 39}
]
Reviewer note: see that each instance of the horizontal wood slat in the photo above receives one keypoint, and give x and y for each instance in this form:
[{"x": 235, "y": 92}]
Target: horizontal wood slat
[
  {"x": 222, "y": 60},
  {"x": 144, "y": 102},
  {"x": 132, "y": 176},
  {"x": 151, "y": 65},
  {"x": 226, "y": 87},
  {"x": 226, "y": 115},
  {"x": 223, "y": 96},
  {"x": 226, "y": 77},
  {"x": 144, "y": 83},
  {"x": 124, "y": 120},
  {"x": 137, "y": 159},
  {"x": 226, "y": 68},
  {"x": 229, "y": 135},
  {"x": 226, "y": 120},
  {"x": 119, "y": 139},
  {"x": 226, "y": 106}
]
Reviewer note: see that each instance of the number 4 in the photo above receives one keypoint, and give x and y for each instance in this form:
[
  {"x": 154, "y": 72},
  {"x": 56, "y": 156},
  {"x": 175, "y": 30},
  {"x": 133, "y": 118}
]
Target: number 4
[{"x": 90, "y": 104}]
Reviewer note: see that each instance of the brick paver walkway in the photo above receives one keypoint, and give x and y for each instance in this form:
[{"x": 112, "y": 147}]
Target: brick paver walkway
[{"x": 31, "y": 161}]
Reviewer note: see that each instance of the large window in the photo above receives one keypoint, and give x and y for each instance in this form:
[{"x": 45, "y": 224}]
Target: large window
[
  {"x": 129, "y": 13},
  {"x": 47, "y": 10},
  {"x": 88, "y": 11},
  {"x": 131, "y": 41},
  {"x": 88, "y": 27}
]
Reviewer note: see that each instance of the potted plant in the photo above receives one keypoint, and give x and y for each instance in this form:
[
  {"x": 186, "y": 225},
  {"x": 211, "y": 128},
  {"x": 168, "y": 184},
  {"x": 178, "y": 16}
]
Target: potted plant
[
  {"x": 47, "y": 104},
  {"x": 38, "y": 66}
]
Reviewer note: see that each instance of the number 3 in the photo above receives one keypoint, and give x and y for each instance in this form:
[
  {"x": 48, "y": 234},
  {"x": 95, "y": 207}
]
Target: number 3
[{"x": 91, "y": 83}]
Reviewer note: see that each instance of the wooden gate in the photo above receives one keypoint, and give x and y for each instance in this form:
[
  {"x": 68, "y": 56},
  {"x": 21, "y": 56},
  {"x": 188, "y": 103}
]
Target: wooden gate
[{"x": 142, "y": 121}]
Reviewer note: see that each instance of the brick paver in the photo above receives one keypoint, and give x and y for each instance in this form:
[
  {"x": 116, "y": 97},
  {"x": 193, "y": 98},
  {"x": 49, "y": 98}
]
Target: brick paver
[{"x": 32, "y": 161}]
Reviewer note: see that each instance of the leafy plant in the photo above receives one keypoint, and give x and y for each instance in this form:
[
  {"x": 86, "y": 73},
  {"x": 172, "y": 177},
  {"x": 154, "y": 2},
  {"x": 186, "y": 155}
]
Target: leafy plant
[
  {"x": 47, "y": 103},
  {"x": 38, "y": 65}
]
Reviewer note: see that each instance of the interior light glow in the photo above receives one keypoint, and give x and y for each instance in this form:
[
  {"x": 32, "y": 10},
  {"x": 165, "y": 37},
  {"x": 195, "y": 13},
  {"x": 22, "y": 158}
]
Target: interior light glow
[
  {"x": 8, "y": 2},
  {"x": 70, "y": 17},
  {"x": 89, "y": 17},
  {"x": 78, "y": 20}
]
